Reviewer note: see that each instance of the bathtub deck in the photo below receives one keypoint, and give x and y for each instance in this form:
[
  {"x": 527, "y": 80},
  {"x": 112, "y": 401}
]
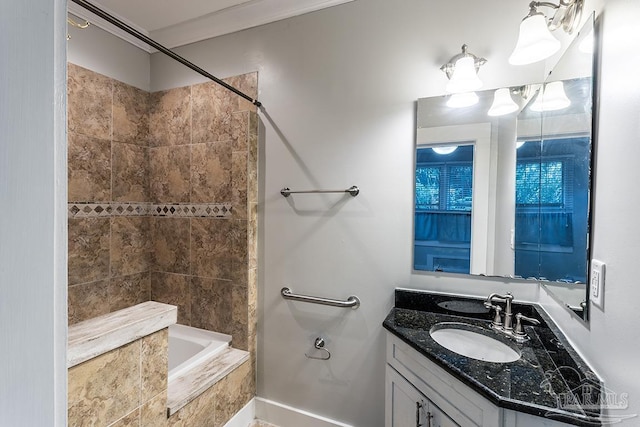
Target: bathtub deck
[{"x": 184, "y": 388}]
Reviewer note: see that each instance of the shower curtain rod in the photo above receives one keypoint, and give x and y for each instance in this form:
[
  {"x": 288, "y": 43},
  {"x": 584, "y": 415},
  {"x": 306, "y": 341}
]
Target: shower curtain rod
[{"x": 137, "y": 34}]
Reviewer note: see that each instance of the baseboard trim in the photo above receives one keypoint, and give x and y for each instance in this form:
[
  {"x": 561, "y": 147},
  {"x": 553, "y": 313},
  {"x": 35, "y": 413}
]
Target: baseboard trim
[
  {"x": 286, "y": 416},
  {"x": 244, "y": 416}
]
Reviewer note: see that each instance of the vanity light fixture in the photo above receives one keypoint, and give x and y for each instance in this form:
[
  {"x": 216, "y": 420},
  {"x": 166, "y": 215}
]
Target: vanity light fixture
[
  {"x": 535, "y": 41},
  {"x": 502, "y": 103},
  {"x": 461, "y": 100},
  {"x": 462, "y": 72},
  {"x": 445, "y": 150},
  {"x": 551, "y": 98}
]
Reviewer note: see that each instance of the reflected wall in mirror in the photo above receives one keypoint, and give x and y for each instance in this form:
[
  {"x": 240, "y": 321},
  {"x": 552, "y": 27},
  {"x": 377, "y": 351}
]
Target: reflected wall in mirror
[{"x": 505, "y": 191}]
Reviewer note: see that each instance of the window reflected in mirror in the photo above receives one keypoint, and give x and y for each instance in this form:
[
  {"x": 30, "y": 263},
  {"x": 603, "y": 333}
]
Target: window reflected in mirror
[
  {"x": 443, "y": 201},
  {"x": 552, "y": 190}
]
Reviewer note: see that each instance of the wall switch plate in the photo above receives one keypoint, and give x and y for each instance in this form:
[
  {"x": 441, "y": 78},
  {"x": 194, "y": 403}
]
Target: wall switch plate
[{"x": 596, "y": 283}]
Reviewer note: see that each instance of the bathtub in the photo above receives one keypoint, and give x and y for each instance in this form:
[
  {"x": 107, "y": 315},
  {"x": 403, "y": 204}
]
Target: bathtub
[{"x": 189, "y": 346}]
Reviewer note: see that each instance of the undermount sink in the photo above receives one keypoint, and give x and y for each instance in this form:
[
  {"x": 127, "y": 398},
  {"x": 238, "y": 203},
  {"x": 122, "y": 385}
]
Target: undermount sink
[{"x": 462, "y": 339}]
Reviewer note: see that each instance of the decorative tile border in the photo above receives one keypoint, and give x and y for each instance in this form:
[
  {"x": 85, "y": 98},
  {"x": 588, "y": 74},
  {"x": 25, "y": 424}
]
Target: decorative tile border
[{"x": 199, "y": 210}]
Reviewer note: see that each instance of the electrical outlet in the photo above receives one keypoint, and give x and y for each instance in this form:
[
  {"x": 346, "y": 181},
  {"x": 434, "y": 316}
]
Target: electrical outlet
[{"x": 596, "y": 283}]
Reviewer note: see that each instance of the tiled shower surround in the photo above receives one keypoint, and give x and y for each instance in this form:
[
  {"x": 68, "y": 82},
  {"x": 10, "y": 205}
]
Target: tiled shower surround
[{"x": 162, "y": 201}]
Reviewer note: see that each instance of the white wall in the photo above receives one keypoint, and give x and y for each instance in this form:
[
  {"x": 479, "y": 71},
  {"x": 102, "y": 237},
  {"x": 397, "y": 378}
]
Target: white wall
[
  {"x": 33, "y": 240},
  {"x": 612, "y": 341},
  {"x": 104, "y": 53},
  {"x": 339, "y": 88}
]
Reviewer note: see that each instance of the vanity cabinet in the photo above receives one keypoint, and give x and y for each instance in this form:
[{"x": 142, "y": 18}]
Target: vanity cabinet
[
  {"x": 416, "y": 388},
  {"x": 407, "y": 407},
  {"x": 458, "y": 403}
]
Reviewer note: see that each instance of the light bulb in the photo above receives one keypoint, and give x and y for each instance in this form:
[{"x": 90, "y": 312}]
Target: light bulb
[
  {"x": 464, "y": 77},
  {"x": 461, "y": 100},
  {"x": 445, "y": 150},
  {"x": 551, "y": 98}
]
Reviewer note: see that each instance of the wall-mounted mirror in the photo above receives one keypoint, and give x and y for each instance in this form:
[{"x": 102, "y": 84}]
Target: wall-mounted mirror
[{"x": 509, "y": 194}]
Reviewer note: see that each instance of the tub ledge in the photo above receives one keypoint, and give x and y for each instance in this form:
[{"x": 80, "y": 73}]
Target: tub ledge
[
  {"x": 93, "y": 337},
  {"x": 186, "y": 387}
]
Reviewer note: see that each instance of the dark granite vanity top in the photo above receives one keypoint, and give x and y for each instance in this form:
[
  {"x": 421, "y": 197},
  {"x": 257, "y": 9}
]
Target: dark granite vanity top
[{"x": 549, "y": 380}]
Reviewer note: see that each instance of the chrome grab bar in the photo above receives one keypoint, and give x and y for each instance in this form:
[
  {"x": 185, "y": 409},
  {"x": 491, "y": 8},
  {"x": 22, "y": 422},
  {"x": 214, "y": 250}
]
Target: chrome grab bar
[
  {"x": 353, "y": 190},
  {"x": 353, "y": 301}
]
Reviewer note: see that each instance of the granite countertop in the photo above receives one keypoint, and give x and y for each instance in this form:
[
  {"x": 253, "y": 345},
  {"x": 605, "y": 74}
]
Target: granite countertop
[{"x": 549, "y": 379}]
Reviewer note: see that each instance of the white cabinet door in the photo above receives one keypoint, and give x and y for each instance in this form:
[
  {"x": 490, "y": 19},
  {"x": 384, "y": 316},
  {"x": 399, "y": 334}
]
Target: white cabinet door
[
  {"x": 407, "y": 407},
  {"x": 439, "y": 418}
]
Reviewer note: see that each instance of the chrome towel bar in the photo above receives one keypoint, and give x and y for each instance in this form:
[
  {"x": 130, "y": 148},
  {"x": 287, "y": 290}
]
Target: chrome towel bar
[
  {"x": 353, "y": 190},
  {"x": 353, "y": 301}
]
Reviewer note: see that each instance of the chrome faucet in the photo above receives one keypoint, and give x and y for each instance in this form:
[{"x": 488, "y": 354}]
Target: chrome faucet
[
  {"x": 508, "y": 315},
  {"x": 507, "y": 326}
]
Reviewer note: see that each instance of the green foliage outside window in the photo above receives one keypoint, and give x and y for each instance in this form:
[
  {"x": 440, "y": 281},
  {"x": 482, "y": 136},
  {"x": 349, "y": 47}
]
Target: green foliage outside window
[{"x": 539, "y": 183}]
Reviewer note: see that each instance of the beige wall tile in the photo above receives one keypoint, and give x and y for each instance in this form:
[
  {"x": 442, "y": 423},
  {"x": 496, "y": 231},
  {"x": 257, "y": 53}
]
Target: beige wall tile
[
  {"x": 211, "y": 247},
  {"x": 240, "y": 130},
  {"x": 212, "y": 108},
  {"x": 153, "y": 361},
  {"x": 130, "y": 245},
  {"x": 199, "y": 412},
  {"x": 239, "y": 183},
  {"x": 170, "y": 117},
  {"x": 89, "y": 100},
  {"x": 171, "y": 244},
  {"x": 240, "y": 317},
  {"x": 252, "y": 312},
  {"x": 247, "y": 83},
  {"x": 211, "y": 304},
  {"x": 252, "y": 236},
  {"x": 211, "y": 169},
  {"x": 130, "y": 420},
  {"x": 154, "y": 412},
  {"x": 170, "y": 174},
  {"x": 87, "y": 300},
  {"x": 130, "y": 114},
  {"x": 174, "y": 289},
  {"x": 89, "y": 168},
  {"x": 232, "y": 393},
  {"x": 252, "y": 166},
  {"x": 127, "y": 291},
  {"x": 88, "y": 249},
  {"x": 239, "y": 251},
  {"x": 130, "y": 172},
  {"x": 106, "y": 388}
]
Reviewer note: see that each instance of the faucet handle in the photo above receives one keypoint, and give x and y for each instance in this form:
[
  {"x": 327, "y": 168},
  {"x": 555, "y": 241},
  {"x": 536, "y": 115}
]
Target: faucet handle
[
  {"x": 519, "y": 331},
  {"x": 497, "y": 320}
]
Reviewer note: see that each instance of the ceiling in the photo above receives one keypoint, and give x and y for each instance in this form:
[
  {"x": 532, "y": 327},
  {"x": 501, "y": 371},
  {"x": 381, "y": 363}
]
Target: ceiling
[{"x": 175, "y": 23}]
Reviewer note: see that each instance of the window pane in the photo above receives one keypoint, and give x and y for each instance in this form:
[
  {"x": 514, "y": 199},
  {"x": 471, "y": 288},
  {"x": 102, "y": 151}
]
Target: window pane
[
  {"x": 460, "y": 188},
  {"x": 539, "y": 183},
  {"x": 427, "y": 188},
  {"x": 551, "y": 183},
  {"x": 442, "y": 239}
]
